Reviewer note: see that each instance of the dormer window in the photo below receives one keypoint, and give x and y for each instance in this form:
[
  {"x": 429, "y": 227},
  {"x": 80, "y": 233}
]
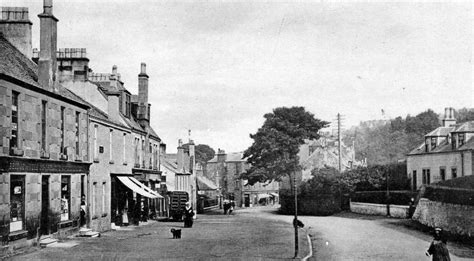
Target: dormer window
[
  {"x": 427, "y": 145},
  {"x": 461, "y": 137},
  {"x": 433, "y": 143},
  {"x": 127, "y": 105},
  {"x": 453, "y": 139}
]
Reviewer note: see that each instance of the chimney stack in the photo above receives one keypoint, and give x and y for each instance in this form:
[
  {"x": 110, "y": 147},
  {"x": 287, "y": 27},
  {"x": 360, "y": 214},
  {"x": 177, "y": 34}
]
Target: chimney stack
[
  {"x": 143, "y": 113},
  {"x": 16, "y": 28},
  {"x": 180, "y": 156},
  {"x": 47, "y": 64},
  {"x": 449, "y": 117}
]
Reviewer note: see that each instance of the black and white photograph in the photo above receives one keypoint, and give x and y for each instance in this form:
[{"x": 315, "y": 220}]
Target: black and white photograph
[{"x": 236, "y": 130}]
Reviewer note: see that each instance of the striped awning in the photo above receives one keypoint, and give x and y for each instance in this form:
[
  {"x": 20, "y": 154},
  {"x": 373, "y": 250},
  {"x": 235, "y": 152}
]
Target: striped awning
[{"x": 140, "y": 188}]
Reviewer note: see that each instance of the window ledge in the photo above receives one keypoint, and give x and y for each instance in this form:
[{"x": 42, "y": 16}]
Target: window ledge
[
  {"x": 16, "y": 235},
  {"x": 16, "y": 152},
  {"x": 96, "y": 160},
  {"x": 125, "y": 163},
  {"x": 63, "y": 156},
  {"x": 44, "y": 155},
  {"x": 111, "y": 162}
]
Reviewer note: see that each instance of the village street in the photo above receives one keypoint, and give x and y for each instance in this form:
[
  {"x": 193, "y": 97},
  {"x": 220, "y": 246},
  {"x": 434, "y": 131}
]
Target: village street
[{"x": 255, "y": 234}]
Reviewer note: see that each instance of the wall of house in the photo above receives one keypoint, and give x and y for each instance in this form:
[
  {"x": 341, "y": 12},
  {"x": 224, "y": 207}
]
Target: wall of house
[
  {"x": 114, "y": 158},
  {"x": 88, "y": 92},
  {"x": 457, "y": 219},
  {"x": 437, "y": 160},
  {"x": 29, "y": 104}
]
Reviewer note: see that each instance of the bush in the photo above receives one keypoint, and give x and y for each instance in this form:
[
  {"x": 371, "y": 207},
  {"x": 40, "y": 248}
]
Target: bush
[{"x": 466, "y": 182}]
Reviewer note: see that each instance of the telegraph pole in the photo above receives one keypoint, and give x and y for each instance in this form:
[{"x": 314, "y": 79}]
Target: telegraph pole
[
  {"x": 339, "y": 140},
  {"x": 295, "y": 222}
]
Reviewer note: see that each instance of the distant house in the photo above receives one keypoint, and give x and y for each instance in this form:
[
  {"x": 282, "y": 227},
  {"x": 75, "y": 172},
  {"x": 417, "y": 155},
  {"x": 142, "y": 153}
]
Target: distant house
[
  {"x": 225, "y": 169},
  {"x": 447, "y": 153}
]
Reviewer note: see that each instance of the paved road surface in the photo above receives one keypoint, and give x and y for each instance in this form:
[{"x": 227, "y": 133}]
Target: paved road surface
[{"x": 247, "y": 235}]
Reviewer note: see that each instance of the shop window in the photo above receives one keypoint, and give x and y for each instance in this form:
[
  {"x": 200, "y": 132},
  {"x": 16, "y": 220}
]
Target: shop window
[
  {"x": 17, "y": 202},
  {"x": 65, "y": 197}
]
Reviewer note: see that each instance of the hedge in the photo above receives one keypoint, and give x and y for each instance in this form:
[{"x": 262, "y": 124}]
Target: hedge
[
  {"x": 379, "y": 197},
  {"x": 449, "y": 195}
]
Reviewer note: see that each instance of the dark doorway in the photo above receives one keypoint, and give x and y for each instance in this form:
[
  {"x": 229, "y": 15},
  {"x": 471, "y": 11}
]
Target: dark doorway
[
  {"x": 247, "y": 200},
  {"x": 44, "y": 205}
]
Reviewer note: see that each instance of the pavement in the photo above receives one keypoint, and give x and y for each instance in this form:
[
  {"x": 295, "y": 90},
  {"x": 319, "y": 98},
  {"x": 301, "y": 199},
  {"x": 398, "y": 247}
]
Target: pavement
[{"x": 247, "y": 234}]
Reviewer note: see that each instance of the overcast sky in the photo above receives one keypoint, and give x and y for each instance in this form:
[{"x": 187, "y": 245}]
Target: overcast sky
[{"x": 216, "y": 67}]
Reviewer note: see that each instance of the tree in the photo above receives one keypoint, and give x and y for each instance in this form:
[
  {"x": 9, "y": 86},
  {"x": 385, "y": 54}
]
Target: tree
[
  {"x": 273, "y": 153},
  {"x": 464, "y": 114},
  {"x": 204, "y": 153}
]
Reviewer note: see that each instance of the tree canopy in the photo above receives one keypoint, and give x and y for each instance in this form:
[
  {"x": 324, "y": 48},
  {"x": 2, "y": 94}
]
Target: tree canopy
[
  {"x": 204, "y": 153},
  {"x": 273, "y": 153}
]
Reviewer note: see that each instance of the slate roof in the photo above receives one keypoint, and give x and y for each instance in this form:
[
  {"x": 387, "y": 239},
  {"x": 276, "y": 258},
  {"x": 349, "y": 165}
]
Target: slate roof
[
  {"x": 440, "y": 131},
  {"x": 204, "y": 183},
  {"x": 15, "y": 64},
  {"x": 445, "y": 146}
]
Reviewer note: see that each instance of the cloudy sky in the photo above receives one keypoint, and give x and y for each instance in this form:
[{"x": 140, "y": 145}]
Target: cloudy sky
[{"x": 216, "y": 67}]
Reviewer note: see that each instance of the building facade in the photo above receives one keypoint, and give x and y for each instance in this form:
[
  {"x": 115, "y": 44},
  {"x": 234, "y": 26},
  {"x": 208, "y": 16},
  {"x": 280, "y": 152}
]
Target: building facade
[
  {"x": 44, "y": 161},
  {"x": 225, "y": 170},
  {"x": 447, "y": 153}
]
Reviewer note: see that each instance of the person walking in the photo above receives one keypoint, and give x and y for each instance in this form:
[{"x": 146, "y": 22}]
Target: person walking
[
  {"x": 188, "y": 215},
  {"x": 438, "y": 248}
]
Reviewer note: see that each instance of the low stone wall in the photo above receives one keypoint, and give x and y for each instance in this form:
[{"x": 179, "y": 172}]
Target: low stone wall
[
  {"x": 457, "y": 219},
  {"x": 397, "y": 211}
]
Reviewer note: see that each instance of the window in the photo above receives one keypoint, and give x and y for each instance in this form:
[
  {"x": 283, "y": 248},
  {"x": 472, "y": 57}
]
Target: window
[
  {"x": 426, "y": 177},
  {"x": 93, "y": 199},
  {"x": 77, "y": 126},
  {"x": 124, "y": 139},
  {"x": 103, "y": 199},
  {"x": 127, "y": 105},
  {"x": 96, "y": 151},
  {"x": 17, "y": 202},
  {"x": 111, "y": 154},
  {"x": 43, "y": 125},
  {"x": 65, "y": 197},
  {"x": 15, "y": 126},
  {"x": 137, "y": 156},
  {"x": 433, "y": 143},
  {"x": 453, "y": 139},
  {"x": 150, "y": 162},
  {"x": 427, "y": 145},
  {"x": 143, "y": 154},
  {"x": 63, "y": 125},
  {"x": 454, "y": 173},
  {"x": 442, "y": 173},
  {"x": 461, "y": 137}
]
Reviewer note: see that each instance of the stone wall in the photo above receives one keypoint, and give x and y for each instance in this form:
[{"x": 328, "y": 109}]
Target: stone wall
[
  {"x": 397, "y": 211},
  {"x": 457, "y": 219}
]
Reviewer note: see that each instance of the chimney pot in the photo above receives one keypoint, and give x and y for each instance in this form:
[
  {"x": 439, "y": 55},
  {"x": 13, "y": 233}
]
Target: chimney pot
[
  {"x": 48, "y": 6},
  {"x": 143, "y": 68},
  {"x": 114, "y": 69}
]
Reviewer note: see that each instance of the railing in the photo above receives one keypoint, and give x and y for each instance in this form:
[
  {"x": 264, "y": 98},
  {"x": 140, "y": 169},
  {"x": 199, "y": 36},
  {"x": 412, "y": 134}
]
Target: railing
[{"x": 66, "y": 53}]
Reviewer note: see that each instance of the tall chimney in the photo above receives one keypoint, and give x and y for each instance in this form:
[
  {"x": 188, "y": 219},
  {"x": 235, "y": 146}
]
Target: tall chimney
[
  {"x": 449, "y": 119},
  {"x": 16, "y": 28},
  {"x": 142, "y": 114},
  {"x": 180, "y": 155},
  {"x": 47, "y": 65}
]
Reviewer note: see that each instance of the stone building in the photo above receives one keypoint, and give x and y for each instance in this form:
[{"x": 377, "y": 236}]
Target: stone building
[
  {"x": 447, "y": 153},
  {"x": 180, "y": 171},
  {"x": 124, "y": 183},
  {"x": 225, "y": 170},
  {"x": 44, "y": 160}
]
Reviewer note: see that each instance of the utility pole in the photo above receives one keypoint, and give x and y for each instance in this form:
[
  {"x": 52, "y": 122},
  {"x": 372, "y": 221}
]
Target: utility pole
[
  {"x": 339, "y": 140},
  {"x": 295, "y": 222}
]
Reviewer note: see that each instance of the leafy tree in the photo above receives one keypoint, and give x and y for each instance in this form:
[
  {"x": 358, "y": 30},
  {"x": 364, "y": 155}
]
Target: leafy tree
[
  {"x": 204, "y": 153},
  {"x": 273, "y": 153},
  {"x": 464, "y": 115}
]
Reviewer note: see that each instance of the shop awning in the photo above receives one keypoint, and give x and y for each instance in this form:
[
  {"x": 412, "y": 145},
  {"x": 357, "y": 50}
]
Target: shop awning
[
  {"x": 135, "y": 185},
  {"x": 274, "y": 194}
]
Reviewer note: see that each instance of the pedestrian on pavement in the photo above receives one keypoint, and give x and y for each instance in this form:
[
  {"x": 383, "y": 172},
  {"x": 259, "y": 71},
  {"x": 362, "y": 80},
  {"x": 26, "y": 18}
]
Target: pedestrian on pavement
[
  {"x": 226, "y": 207},
  {"x": 188, "y": 215},
  {"x": 83, "y": 210},
  {"x": 438, "y": 247}
]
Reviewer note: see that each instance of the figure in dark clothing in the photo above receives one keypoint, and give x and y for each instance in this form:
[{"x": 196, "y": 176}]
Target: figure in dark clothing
[
  {"x": 83, "y": 210},
  {"x": 188, "y": 215},
  {"x": 438, "y": 248}
]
